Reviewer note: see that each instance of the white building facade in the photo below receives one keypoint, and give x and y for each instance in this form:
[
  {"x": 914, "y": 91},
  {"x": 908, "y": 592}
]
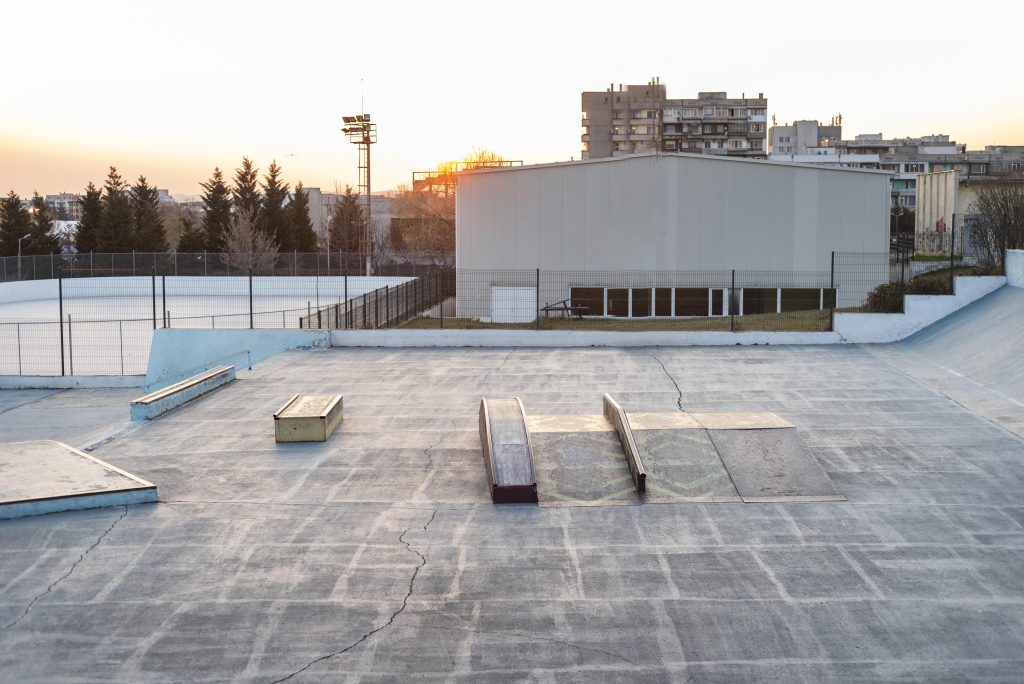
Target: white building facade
[{"x": 667, "y": 214}]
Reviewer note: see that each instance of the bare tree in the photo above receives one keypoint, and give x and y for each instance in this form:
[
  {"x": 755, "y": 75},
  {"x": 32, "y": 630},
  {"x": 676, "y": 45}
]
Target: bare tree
[
  {"x": 426, "y": 212},
  {"x": 998, "y": 213},
  {"x": 246, "y": 246}
]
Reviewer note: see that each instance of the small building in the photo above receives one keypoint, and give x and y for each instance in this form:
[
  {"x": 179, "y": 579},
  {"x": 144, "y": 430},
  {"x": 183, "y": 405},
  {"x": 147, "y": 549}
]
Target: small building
[{"x": 660, "y": 218}]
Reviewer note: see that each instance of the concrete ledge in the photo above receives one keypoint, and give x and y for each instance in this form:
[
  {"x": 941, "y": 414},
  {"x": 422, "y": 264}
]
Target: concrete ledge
[
  {"x": 1015, "y": 267},
  {"x": 618, "y": 418},
  {"x": 568, "y": 338},
  {"x": 70, "y": 381},
  {"x": 308, "y": 418},
  {"x": 157, "y": 403},
  {"x": 920, "y": 312}
]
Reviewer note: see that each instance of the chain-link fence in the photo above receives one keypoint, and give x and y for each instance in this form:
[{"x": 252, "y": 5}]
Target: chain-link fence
[
  {"x": 49, "y": 266},
  {"x": 101, "y": 321}
]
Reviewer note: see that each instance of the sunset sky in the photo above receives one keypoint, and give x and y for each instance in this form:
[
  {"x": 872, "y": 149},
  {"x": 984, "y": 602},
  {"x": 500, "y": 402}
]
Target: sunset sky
[{"x": 170, "y": 90}]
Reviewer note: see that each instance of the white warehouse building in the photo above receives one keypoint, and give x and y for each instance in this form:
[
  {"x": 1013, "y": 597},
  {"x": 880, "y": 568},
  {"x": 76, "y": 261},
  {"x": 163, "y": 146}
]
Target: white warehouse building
[{"x": 661, "y": 228}]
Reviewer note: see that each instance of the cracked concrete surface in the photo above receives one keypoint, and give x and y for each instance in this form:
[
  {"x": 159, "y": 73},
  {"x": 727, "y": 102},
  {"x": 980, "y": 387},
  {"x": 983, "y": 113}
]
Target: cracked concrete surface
[{"x": 356, "y": 560}]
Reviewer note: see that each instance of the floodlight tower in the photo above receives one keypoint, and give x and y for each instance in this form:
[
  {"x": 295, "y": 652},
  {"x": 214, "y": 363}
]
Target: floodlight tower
[{"x": 363, "y": 133}]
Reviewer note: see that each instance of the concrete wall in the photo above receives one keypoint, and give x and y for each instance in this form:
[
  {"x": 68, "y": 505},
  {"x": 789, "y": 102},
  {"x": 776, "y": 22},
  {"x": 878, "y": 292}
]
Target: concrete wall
[
  {"x": 668, "y": 212},
  {"x": 177, "y": 354},
  {"x": 920, "y": 311},
  {"x": 567, "y": 338},
  {"x": 27, "y": 291},
  {"x": 1015, "y": 267}
]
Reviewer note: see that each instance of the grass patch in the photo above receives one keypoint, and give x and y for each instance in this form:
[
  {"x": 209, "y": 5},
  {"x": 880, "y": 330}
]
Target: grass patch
[{"x": 794, "y": 321}]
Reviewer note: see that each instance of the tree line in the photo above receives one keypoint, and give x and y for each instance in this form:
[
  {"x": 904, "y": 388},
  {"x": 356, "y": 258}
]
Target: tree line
[{"x": 247, "y": 215}]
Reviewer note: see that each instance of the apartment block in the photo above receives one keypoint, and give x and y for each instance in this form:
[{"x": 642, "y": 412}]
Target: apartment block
[
  {"x": 904, "y": 158},
  {"x": 640, "y": 118}
]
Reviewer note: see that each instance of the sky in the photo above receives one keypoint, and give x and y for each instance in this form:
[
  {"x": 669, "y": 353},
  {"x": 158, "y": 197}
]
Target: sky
[{"x": 172, "y": 90}]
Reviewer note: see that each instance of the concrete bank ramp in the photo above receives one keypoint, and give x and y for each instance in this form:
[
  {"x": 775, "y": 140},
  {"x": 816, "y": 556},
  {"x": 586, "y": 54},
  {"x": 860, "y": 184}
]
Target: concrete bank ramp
[
  {"x": 44, "y": 476},
  {"x": 975, "y": 357}
]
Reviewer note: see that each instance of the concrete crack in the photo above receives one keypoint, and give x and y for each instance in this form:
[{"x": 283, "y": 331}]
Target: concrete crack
[
  {"x": 679, "y": 392},
  {"x": 68, "y": 573},
  {"x": 429, "y": 451},
  {"x": 432, "y": 516},
  {"x": 390, "y": 620}
]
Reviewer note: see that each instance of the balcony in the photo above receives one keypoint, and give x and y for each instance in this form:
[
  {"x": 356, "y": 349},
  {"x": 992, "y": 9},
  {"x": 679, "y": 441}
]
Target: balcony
[
  {"x": 620, "y": 137},
  {"x": 585, "y": 137}
]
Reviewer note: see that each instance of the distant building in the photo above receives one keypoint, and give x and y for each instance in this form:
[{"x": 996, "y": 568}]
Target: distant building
[
  {"x": 640, "y": 118},
  {"x": 904, "y": 158},
  {"x": 321, "y": 206},
  {"x": 65, "y": 206}
]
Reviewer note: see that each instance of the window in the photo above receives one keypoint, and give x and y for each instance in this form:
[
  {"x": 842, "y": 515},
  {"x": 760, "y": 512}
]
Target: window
[
  {"x": 754, "y": 144},
  {"x": 589, "y": 299},
  {"x": 913, "y": 168},
  {"x": 709, "y": 111},
  {"x": 979, "y": 168},
  {"x": 663, "y": 301},
  {"x": 690, "y": 113},
  {"x": 586, "y": 146},
  {"x": 758, "y": 300},
  {"x": 737, "y": 144},
  {"x": 618, "y": 302},
  {"x": 756, "y": 128},
  {"x": 641, "y": 301}
]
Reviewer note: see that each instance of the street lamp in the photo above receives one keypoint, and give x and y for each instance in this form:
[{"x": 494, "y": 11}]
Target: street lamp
[
  {"x": 23, "y": 237},
  {"x": 363, "y": 133}
]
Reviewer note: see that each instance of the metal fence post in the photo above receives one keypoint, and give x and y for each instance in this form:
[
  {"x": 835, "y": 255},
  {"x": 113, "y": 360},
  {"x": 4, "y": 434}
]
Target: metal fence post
[
  {"x": 250, "y": 299},
  {"x": 952, "y": 254},
  {"x": 732, "y": 305},
  {"x": 387, "y": 307},
  {"x": 71, "y": 349},
  {"x": 440, "y": 303},
  {"x": 835, "y": 297},
  {"x": 163, "y": 295},
  {"x": 153, "y": 276},
  {"x": 120, "y": 336},
  {"x": 537, "y": 293},
  {"x": 60, "y": 318},
  {"x": 51, "y": 265}
]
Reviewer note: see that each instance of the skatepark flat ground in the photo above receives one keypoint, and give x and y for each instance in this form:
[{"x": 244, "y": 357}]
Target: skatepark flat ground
[{"x": 378, "y": 556}]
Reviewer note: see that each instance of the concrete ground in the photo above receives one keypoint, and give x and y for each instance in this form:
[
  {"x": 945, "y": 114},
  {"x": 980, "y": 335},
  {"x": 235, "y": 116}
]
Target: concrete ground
[
  {"x": 78, "y": 417},
  {"x": 377, "y": 556}
]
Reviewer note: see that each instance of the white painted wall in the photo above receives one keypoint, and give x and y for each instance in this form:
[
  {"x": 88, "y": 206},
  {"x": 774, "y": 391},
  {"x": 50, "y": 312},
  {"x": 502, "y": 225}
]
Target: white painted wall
[
  {"x": 668, "y": 212},
  {"x": 1015, "y": 267}
]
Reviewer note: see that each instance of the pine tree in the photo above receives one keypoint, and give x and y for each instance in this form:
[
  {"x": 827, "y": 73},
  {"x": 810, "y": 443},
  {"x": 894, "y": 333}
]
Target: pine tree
[
  {"x": 304, "y": 238},
  {"x": 117, "y": 232},
  {"x": 347, "y": 223},
  {"x": 149, "y": 224},
  {"x": 273, "y": 219},
  {"x": 40, "y": 240},
  {"x": 90, "y": 221},
  {"x": 15, "y": 223},
  {"x": 246, "y": 192},
  {"x": 217, "y": 219},
  {"x": 192, "y": 238}
]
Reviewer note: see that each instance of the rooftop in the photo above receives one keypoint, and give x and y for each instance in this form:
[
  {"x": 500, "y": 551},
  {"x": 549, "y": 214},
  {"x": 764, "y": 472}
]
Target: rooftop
[{"x": 378, "y": 554}]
